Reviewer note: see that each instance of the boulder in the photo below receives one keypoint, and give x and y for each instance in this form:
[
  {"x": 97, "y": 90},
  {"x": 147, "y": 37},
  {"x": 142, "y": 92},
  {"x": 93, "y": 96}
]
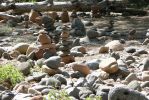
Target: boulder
[
  {"x": 53, "y": 62},
  {"x": 115, "y": 45},
  {"x": 121, "y": 93},
  {"x": 84, "y": 69},
  {"x": 103, "y": 49},
  {"x": 21, "y": 47}
]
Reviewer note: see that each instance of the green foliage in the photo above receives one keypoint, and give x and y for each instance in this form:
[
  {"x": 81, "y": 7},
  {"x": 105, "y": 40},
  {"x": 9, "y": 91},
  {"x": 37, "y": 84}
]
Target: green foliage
[
  {"x": 5, "y": 30},
  {"x": 94, "y": 98},
  {"x": 9, "y": 71},
  {"x": 58, "y": 95}
]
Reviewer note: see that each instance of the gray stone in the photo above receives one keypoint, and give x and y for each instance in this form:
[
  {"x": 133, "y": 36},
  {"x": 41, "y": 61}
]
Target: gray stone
[
  {"x": 115, "y": 55},
  {"x": 2, "y": 88},
  {"x": 103, "y": 95},
  {"x": 1, "y": 52},
  {"x": 131, "y": 77},
  {"x": 53, "y": 82},
  {"x": 130, "y": 50},
  {"x": 40, "y": 62},
  {"x": 76, "y": 54},
  {"x": 7, "y": 96},
  {"x": 24, "y": 67},
  {"x": 145, "y": 84},
  {"x": 130, "y": 58},
  {"x": 80, "y": 82},
  {"x": 123, "y": 71},
  {"x": 43, "y": 81},
  {"x": 91, "y": 79},
  {"x": 45, "y": 91},
  {"x": 84, "y": 93},
  {"x": 135, "y": 85},
  {"x": 76, "y": 74},
  {"x": 93, "y": 64},
  {"x": 53, "y": 62},
  {"x": 76, "y": 42},
  {"x": 144, "y": 66},
  {"x": 48, "y": 23},
  {"x": 66, "y": 74},
  {"x": 121, "y": 93},
  {"x": 73, "y": 91},
  {"x": 78, "y": 27},
  {"x": 22, "y": 58},
  {"x": 91, "y": 34},
  {"x": 61, "y": 78},
  {"x": 7, "y": 56}
]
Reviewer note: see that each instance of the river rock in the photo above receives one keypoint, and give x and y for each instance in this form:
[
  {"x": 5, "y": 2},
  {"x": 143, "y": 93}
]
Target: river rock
[
  {"x": 130, "y": 50},
  {"x": 144, "y": 66},
  {"x": 115, "y": 45},
  {"x": 103, "y": 49},
  {"x": 53, "y": 62},
  {"x": 131, "y": 77},
  {"x": 79, "y": 49},
  {"x": 50, "y": 71},
  {"x": 21, "y": 47},
  {"x": 33, "y": 15},
  {"x": 93, "y": 64},
  {"x": 121, "y": 93},
  {"x": 78, "y": 27},
  {"x": 109, "y": 65},
  {"x": 84, "y": 69},
  {"x": 91, "y": 34}
]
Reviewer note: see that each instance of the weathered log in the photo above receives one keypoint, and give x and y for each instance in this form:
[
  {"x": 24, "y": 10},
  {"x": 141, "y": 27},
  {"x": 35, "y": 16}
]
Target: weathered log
[{"x": 39, "y": 6}]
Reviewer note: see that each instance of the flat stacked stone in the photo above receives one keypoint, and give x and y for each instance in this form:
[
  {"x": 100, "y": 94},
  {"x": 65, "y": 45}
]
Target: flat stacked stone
[
  {"x": 46, "y": 46},
  {"x": 65, "y": 47}
]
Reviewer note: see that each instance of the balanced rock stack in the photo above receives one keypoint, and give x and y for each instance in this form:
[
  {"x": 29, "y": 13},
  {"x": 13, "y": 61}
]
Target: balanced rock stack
[
  {"x": 65, "y": 47},
  {"x": 64, "y": 16},
  {"x": 78, "y": 28},
  {"x": 48, "y": 23},
  {"x": 95, "y": 11},
  {"x": 73, "y": 15},
  {"x": 46, "y": 48}
]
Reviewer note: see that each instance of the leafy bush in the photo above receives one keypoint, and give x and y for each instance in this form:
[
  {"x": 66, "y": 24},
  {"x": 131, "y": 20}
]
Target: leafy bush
[
  {"x": 9, "y": 71},
  {"x": 94, "y": 98}
]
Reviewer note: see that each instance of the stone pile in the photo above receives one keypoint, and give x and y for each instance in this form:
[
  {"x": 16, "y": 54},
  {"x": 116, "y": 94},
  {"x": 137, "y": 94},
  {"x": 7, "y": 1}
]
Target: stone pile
[
  {"x": 46, "y": 48},
  {"x": 95, "y": 11},
  {"x": 65, "y": 47},
  {"x": 64, "y": 16}
]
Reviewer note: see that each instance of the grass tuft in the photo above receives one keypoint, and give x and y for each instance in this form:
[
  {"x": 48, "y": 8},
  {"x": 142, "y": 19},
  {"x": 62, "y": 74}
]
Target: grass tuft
[{"x": 9, "y": 72}]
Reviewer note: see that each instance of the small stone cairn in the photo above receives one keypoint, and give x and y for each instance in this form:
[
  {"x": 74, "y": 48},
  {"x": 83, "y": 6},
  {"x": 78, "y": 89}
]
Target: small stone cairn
[{"x": 65, "y": 46}]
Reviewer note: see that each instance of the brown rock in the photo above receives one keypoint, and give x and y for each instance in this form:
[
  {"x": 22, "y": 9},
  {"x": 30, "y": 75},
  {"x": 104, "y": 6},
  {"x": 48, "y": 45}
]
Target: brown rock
[
  {"x": 21, "y": 47},
  {"x": 43, "y": 38},
  {"x": 109, "y": 65},
  {"x": 131, "y": 34},
  {"x": 115, "y": 45},
  {"x": 65, "y": 16},
  {"x": 31, "y": 48},
  {"x": 54, "y": 15},
  {"x": 84, "y": 69},
  {"x": 33, "y": 15},
  {"x": 103, "y": 49},
  {"x": 64, "y": 35},
  {"x": 49, "y": 70},
  {"x": 38, "y": 20},
  {"x": 81, "y": 49},
  {"x": 14, "y": 53},
  {"x": 67, "y": 59}
]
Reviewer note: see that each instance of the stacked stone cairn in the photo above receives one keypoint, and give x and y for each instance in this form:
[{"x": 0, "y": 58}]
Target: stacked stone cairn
[
  {"x": 48, "y": 23},
  {"x": 46, "y": 48},
  {"x": 64, "y": 16},
  {"x": 95, "y": 11},
  {"x": 65, "y": 47}
]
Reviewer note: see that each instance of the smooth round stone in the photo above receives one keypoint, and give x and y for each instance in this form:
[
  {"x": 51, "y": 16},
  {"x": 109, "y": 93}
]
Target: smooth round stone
[{"x": 53, "y": 62}]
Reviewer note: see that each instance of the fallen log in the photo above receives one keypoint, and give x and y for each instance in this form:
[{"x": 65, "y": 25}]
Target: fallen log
[{"x": 40, "y": 6}]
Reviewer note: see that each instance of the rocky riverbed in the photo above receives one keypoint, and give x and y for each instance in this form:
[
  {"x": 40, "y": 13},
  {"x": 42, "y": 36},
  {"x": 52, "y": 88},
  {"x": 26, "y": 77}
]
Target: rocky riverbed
[{"x": 77, "y": 57}]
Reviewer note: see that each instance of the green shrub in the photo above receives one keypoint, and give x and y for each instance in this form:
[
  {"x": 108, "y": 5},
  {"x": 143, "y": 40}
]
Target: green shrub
[
  {"x": 9, "y": 71},
  {"x": 94, "y": 98}
]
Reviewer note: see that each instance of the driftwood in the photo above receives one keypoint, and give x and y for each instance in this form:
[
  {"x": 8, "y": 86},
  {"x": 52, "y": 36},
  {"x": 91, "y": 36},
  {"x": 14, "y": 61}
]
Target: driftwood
[
  {"x": 40, "y": 6},
  {"x": 58, "y": 6}
]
